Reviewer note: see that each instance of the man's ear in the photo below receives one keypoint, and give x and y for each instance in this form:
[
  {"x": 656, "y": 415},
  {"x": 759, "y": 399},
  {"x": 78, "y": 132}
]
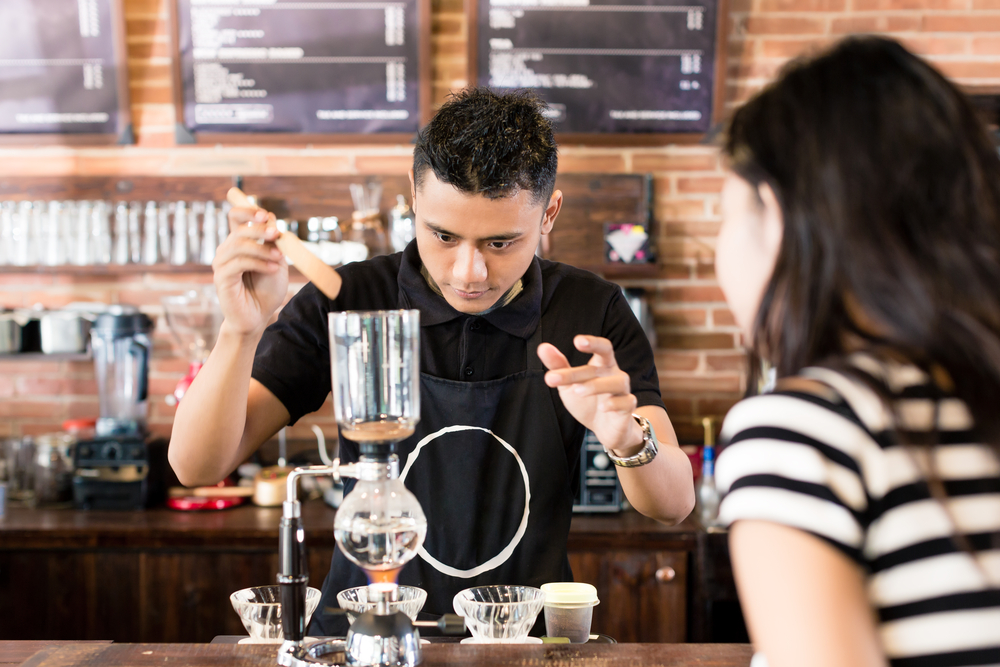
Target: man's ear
[
  {"x": 413, "y": 191},
  {"x": 551, "y": 211}
]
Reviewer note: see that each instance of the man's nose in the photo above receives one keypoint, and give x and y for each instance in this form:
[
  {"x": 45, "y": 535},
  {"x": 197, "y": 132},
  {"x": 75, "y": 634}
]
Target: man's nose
[{"x": 470, "y": 266}]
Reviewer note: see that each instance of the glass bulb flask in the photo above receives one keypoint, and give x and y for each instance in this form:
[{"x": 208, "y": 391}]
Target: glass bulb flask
[{"x": 380, "y": 525}]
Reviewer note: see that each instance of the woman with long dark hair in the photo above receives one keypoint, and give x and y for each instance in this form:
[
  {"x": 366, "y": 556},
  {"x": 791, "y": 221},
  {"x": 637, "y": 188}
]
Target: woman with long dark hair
[{"x": 860, "y": 254}]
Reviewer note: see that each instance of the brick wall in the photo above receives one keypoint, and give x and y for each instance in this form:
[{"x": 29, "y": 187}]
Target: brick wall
[{"x": 698, "y": 357}]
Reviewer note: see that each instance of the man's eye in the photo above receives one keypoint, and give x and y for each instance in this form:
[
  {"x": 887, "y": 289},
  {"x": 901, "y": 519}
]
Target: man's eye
[
  {"x": 501, "y": 245},
  {"x": 444, "y": 238}
]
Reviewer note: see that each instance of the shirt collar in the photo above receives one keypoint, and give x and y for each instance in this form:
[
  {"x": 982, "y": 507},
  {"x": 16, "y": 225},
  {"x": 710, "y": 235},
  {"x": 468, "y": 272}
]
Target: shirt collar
[{"x": 518, "y": 318}]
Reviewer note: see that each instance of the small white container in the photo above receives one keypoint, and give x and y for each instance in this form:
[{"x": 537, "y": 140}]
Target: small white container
[
  {"x": 569, "y": 610},
  {"x": 64, "y": 332}
]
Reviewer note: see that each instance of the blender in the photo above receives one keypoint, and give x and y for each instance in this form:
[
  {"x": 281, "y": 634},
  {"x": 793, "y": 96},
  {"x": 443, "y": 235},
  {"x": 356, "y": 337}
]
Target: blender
[
  {"x": 380, "y": 525},
  {"x": 194, "y": 319},
  {"x": 119, "y": 468}
]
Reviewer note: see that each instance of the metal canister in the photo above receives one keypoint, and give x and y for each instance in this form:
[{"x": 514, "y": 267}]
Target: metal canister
[{"x": 10, "y": 333}]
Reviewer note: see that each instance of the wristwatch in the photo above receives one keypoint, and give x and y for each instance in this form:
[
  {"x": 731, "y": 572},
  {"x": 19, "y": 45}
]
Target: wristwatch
[{"x": 645, "y": 455}]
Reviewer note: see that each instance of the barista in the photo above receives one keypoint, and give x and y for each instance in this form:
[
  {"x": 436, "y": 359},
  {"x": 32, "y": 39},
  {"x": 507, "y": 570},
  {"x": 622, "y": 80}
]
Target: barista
[{"x": 527, "y": 352}]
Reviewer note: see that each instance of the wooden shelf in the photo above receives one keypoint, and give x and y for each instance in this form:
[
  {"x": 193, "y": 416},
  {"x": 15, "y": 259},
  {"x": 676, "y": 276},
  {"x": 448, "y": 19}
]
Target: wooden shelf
[
  {"x": 122, "y": 270},
  {"x": 41, "y": 356},
  {"x": 108, "y": 269}
]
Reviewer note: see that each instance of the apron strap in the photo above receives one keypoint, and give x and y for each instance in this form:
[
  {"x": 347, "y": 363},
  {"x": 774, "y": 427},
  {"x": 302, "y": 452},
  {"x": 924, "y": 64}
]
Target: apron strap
[{"x": 534, "y": 363}]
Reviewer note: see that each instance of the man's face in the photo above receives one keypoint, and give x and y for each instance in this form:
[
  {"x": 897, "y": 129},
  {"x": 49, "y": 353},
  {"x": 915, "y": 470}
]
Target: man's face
[{"x": 476, "y": 248}]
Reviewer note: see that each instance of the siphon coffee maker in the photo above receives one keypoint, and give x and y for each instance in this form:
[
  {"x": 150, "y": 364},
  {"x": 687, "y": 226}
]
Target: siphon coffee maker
[
  {"x": 380, "y": 525},
  {"x": 120, "y": 468}
]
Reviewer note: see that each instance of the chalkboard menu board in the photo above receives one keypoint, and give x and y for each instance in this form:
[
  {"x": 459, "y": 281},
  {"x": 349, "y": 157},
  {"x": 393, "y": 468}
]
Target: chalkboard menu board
[
  {"x": 604, "y": 66},
  {"x": 311, "y": 68},
  {"x": 59, "y": 69}
]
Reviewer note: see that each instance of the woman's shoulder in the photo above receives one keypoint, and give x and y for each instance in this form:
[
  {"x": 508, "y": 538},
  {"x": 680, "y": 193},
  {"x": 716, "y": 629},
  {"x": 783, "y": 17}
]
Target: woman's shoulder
[
  {"x": 795, "y": 456},
  {"x": 799, "y": 407}
]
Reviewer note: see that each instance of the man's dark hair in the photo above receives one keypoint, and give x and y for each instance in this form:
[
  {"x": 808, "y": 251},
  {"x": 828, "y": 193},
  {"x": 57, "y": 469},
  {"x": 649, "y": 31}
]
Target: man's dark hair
[{"x": 490, "y": 143}]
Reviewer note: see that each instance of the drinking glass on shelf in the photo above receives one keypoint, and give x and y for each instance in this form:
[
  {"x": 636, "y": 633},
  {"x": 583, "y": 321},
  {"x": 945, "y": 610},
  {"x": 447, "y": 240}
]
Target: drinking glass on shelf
[
  {"x": 121, "y": 245},
  {"x": 51, "y": 254},
  {"x": 37, "y": 213},
  {"x": 7, "y": 209},
  {"x": 68, "y": 220},
  {"x": 179, "y": 252},
  {"x": 135, "y": 232},
  {"x": 150, "y": 252},
  {"x": 100, "y": 232},
  {"x": 80, "y": 243},
  {"x": 195, "y": 217},
  {"x": 20, "y": 235},
  {"x": 224, "y": 221},
  {"x": 163, "y": 211},
  {"x": 210, "y": 233}
]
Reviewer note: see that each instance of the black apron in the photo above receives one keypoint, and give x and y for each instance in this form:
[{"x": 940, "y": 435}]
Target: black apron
[{"x": 488, "y": 464}]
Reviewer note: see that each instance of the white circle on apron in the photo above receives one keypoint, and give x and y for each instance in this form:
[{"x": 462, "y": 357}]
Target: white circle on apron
[{"x": 506, "y": 552}]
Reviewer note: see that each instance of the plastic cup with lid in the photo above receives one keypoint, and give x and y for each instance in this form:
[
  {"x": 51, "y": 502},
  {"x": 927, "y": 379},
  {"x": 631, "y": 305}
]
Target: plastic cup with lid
[{"x": 569, "y": 610}]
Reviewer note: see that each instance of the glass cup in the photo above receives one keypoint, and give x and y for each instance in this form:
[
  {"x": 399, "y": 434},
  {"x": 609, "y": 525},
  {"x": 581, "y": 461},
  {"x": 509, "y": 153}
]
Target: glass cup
[
  {"x": 569, "y": 610},
  {"x": 260, "y": 610},
  {"x": 355, "y": 601},
  {"x": 499, "y": 614}
]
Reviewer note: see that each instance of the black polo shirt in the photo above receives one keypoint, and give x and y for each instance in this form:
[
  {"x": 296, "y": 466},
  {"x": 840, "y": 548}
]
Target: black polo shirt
[{"x": 293, "y": 357}]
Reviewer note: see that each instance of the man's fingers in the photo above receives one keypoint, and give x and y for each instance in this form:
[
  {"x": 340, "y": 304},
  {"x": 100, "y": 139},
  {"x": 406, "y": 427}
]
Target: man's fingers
[
  {"x": 617, "y": 384},
  {"x": 238, "y": 246},
  {"x": 552, "y": 357},
  {"x": 257, "y": 232},
  {"x": 601, "y": 348},
  {"x": 252, "y": 265},
  {"x": 567, "y": 376},
  {"x": 241, "y": 217},
  {"x": 229, "y": 255}
]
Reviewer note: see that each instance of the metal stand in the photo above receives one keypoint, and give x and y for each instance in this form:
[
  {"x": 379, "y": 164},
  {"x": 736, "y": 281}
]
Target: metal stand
[{"x": 377, "y": 638}]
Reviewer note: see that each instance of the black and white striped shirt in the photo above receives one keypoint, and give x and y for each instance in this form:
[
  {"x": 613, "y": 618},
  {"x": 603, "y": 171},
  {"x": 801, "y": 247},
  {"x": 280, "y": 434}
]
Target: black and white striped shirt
[{"x": 833, "y": 467}]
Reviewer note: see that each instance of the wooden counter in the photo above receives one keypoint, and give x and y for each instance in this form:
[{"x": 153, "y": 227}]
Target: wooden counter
[
  {"x": 440, "y": 655},
  {"x": 253, "y": 527},
  {"x": 165, "y": 576}
]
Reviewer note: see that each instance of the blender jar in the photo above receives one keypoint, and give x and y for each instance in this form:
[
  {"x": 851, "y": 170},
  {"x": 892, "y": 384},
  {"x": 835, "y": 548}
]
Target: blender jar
[{"x": 121, "y": 345}]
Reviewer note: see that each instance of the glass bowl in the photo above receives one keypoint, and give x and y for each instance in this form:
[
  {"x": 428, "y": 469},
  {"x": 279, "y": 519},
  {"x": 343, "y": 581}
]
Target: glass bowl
[
  {"x": 355, "y": 601},
  {"x": 499, "y": 614},
  {"x": 260, "y": 610}
]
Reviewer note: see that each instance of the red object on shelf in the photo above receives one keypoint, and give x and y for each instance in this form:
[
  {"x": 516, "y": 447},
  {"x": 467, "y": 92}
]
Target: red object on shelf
[
  {"x": 78, "y": 424},
  {"x": 81, "y": 429},
  {"x": 184, "y": 383},
  {"x": 189, "y": 503}
]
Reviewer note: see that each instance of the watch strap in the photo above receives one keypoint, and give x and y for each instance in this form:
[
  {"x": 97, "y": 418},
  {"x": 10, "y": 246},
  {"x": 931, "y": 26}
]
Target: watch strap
[{"x": 650, "y": 447}]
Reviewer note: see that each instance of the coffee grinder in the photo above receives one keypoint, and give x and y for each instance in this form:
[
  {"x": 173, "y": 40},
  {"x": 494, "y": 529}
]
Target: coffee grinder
[
  {"x": 194, "y": 319},
  {"x": 121, "y": 468},
  {"x": 380, "y": 525}
]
